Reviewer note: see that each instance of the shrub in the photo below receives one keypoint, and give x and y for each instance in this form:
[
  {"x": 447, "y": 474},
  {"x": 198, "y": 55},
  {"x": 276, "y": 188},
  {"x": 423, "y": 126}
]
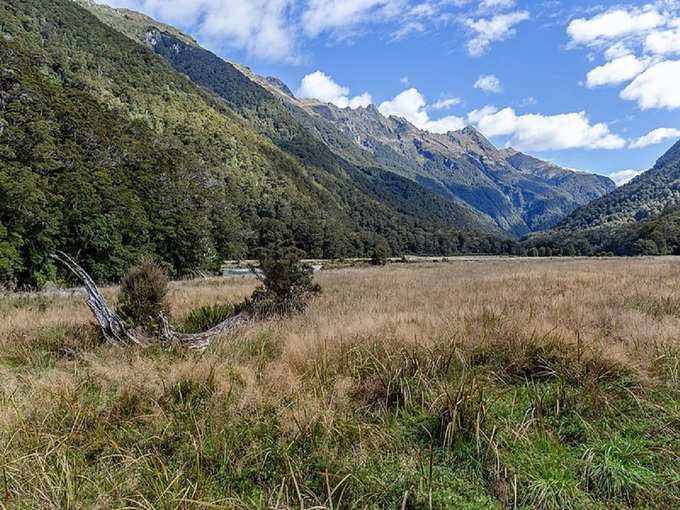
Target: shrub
[
  {"x": 286, "y": 282},
  {"x": 205, "y": 317},
  {"x": 143, "y": 294},
  {"x": 380, "y": 253}
]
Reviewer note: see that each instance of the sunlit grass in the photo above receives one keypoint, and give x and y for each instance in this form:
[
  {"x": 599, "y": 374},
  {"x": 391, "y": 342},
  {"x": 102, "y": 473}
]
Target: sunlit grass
[{"x": 494, "y": 384}]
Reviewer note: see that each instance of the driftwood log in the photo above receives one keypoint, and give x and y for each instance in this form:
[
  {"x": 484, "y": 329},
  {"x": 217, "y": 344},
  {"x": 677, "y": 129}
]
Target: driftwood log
[{"x": 117, "y": 333}]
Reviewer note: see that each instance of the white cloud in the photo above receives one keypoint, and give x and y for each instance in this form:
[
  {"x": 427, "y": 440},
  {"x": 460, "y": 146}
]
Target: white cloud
[
  {"x": 496, "y": 4},
  {"x": 617, "y": 50},
  {"x": 412, "y": 106},
  {"x": 619, "y": 70},
  {"x": 613, "y": 24},
  {"x": 663, "y": 42},
  {"x": 323, "y": 15},
  {"x": 487, "y": 31},
  {"x": 657, "y": 87},
  {"x": 319, "y": 85},
  {"x": 633, "y": 41},
  {"x": 623, "y": 176},
  {"x": 656, "y": 136},
  {"x": 261, "y": 27},
  {"x": 446, "y": 103},
  {"x": 489, "y": 83},
  {"x": 546, "y": 132}
]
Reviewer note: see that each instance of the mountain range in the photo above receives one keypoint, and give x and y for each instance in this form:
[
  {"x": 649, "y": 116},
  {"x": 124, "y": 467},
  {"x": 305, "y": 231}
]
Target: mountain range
[
  {"x": 108, "y": 153},
  {"x": 517, "y": 193},
  {"x": 122, "y": 136}
]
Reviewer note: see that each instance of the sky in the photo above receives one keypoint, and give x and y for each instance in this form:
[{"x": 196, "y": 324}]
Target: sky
[{"x": 592, "y": 85}]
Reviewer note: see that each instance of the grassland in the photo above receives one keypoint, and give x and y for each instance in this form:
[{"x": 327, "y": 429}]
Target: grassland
[{"x": 511, "y": 383}]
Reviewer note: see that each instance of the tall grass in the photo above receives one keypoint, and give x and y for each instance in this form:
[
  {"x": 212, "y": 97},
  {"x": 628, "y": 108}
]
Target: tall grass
[{"x": 491, "y": 384}]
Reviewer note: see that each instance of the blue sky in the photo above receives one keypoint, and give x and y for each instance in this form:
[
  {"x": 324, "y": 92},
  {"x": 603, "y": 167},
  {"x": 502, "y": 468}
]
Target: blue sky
[{"x": 592, "y": 85}]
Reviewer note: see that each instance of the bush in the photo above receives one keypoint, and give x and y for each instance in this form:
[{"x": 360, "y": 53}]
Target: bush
[
  {"x": 286, "y": 282},
  {"x": 143, "y": 295},
  {"x": 380, "y": 253},
  {"x": 205, "y": 317}
]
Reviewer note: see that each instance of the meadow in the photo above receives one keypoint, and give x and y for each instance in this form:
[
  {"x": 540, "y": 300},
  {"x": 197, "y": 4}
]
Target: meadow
[{"x": 465, "y": 384}]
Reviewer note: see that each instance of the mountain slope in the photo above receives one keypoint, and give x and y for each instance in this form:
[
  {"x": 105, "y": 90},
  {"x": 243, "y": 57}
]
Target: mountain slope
[
  {"x": 515, "y": 190},
  {"x": 265, "y": 113},
  {"x": 644, "y": 197},
  {"x": 462, "y": 167},
  {"x": 108, "y": 153},
  {"x": 640, "y": 217},
  {"x": 466, "y": 166}
]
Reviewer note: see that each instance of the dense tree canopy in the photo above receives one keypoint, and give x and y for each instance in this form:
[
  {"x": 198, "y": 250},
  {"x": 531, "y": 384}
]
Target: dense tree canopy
[{"x": 108, "y": 153}]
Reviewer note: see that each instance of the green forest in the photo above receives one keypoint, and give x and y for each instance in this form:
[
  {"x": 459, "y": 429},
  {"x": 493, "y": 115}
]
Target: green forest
[{"x": 107, "y": 153}]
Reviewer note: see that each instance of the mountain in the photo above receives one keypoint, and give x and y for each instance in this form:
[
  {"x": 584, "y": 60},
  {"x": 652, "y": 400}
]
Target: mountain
[
  {"x": 518, "y": 192},
  {"x": 462, "y": 167},
  {"x": 644, "y": 197},
  {"x": 626, "y": 220},
  {"x": 108, "y": 153}
]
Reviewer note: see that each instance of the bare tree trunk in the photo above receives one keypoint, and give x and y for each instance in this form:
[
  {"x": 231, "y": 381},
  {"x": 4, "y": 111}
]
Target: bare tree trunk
[
  {"x": 200, "y": 341},
  {"x": 111, "y": 325},
  {"x": 116, "y": 332}
]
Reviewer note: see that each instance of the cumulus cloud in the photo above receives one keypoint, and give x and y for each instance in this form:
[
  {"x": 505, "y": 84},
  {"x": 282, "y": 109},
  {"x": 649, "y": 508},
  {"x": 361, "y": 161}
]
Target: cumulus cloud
[
  {"x": 412, "y": 106},
  {"x": 258, "y": 26},
  {"x": 624, "y": 176},
  {"x": 488, "y": 30},
  {"x": 546, "y": 132},
  {"x": 489, "y": 83},
  {"x": 657, "y": 87},
  {"x": 496, "y": 4},
  {"x": 619, "y": 70},
  {"x": 323, "y": 15},
  {"x": 319, "y": 85},
  {"x": 613, "y": 24},
  {"x": 663, "y": 42},
  {"x": 636, "y": 43},
  {"x": 654, "y": 137}
]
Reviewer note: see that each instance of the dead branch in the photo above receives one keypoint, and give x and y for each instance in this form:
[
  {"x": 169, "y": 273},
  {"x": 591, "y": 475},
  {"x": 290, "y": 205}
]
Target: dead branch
[
  {"x": 199, "y": 341},
  {"x": 111, "y": 325},
  {"x": 116, "y": 332}
]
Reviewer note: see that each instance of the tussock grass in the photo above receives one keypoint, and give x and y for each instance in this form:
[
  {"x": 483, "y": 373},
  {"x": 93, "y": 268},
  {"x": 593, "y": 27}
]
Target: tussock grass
[{"x": 491, "y": 384}]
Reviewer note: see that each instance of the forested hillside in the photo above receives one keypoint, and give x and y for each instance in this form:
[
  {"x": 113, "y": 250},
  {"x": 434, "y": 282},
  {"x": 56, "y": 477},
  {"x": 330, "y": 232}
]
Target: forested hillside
[
  {"x": 463, "y": 167},
  {"x": 645, "y": 197},
  {"x": 106, "y": 152},
  {"x": 639, "y": 218}
]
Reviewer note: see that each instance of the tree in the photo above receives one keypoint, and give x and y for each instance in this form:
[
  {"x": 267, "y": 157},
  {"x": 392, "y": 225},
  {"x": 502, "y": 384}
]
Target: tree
[
  {"x": 380, "y": 253},
  {"x": 645, "y": 247},
  {"x": 286, "y": 282}
]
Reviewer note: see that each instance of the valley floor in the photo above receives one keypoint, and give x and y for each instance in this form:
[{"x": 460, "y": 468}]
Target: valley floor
[{"x": 471, "y": 384}]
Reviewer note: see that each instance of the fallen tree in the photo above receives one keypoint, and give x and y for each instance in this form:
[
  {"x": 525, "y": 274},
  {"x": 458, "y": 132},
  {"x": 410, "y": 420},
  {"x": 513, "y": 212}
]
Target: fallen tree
[{"x": 115, "y": 330}]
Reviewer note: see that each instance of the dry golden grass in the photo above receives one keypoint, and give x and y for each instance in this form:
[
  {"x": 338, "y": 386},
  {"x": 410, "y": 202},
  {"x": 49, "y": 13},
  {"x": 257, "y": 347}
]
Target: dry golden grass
[{"x": 317, "y": 369}]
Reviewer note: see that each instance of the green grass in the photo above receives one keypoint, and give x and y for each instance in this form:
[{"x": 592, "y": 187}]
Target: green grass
[{"x": 374, "y": 424}]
